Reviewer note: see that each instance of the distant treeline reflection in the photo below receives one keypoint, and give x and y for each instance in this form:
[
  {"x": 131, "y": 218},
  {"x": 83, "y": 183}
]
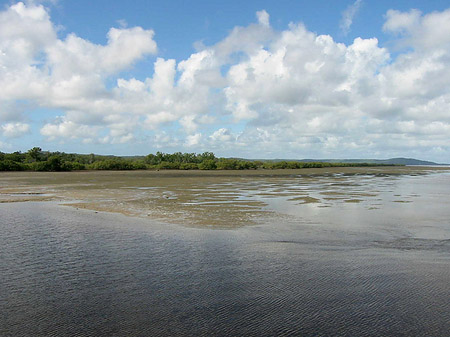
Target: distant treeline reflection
[{"x": 37, "y": 160}]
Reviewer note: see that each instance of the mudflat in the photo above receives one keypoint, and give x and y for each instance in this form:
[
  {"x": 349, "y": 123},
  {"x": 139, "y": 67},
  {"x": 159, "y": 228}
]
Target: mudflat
[{"x": 212, "y": 198}]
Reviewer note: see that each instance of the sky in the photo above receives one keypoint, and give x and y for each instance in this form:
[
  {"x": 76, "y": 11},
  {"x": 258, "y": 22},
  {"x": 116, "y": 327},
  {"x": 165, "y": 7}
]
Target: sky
[{"x": 261, "y": 79}]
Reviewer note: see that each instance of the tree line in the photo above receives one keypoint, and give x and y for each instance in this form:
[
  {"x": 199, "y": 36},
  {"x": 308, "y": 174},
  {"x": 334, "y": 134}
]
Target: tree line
[{"x": 36, "y": 159}]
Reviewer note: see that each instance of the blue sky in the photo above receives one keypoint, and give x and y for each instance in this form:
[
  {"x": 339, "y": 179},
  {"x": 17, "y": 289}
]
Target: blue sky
[{"x": 256, "y": 79}]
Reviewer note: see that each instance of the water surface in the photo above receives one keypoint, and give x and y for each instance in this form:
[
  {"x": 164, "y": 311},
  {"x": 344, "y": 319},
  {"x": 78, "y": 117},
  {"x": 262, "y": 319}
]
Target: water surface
[{"x": 320, "y": 253}]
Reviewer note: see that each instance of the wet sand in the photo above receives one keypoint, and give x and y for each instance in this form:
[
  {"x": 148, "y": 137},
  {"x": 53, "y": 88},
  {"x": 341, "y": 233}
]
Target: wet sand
[{"x": 219, "y": 199}]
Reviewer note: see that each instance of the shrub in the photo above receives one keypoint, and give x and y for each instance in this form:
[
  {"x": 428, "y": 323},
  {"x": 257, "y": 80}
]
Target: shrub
[
  {"x": 111, "y": 164},
  {"x": 208, "y": 164},
  {"x": 188, "y": 166},
  {"x": 9, "y": 165},
  {"x": 168, "y": 166}
]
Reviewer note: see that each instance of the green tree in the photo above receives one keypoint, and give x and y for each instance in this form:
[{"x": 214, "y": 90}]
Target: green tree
[
  {"x": 35, "y": 154},
  {"x": 54, "y": 163},
  {"x": 207, "y": 156}
]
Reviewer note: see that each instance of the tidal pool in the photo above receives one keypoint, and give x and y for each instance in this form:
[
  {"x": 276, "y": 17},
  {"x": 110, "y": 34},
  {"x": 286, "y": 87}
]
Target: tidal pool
[{"x": 321, "y": 252}]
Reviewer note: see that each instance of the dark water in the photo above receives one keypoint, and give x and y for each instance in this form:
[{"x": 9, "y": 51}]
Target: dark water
[{"x": 341, "y": 271}]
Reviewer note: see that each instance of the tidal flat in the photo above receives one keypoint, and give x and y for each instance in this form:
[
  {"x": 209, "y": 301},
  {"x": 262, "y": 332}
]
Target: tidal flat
[
  {"x": 218, "y": 199},
  {"x": 311, "y": 252}
]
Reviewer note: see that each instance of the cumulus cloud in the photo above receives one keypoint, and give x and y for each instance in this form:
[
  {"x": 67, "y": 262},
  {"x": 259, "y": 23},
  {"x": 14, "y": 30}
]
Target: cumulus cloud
[
  {"x": 259, "y": 90},
  {"x": 14, "y": 130},
  {"x": 222, "y": 135},
  {"x": 75, "y": 55},
  {"x": 426, "y": 32},
  {"x": 67, "y": 129},
  {"x": 193, "y": 140},
  {"x": 401, "y": 22}
]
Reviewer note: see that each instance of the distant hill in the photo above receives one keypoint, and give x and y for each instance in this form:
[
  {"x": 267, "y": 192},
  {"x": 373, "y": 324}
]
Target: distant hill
[
  {"x": 392, "y": 161},
  {"x": 409, "y": 161}
]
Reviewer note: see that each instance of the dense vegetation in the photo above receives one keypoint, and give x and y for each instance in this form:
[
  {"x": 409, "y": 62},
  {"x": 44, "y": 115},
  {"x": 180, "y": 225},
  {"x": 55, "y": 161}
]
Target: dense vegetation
[{"x": 37, "y": 160}]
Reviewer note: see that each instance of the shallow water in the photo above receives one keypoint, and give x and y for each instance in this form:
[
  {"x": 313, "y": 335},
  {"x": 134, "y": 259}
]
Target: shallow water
[
  {"x": 223, "y": 199},
  {"x": 334, "y": 253}
]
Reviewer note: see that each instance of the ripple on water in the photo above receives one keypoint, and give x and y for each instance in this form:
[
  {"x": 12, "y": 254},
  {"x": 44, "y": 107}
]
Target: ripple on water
[{"x": 301, "y": 270}]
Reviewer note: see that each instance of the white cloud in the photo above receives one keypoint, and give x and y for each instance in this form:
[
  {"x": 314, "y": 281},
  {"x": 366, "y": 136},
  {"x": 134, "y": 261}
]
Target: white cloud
[
  {"x": 25, "y": 30},
  {"x": 401, "y": 22},
  {"x": 263, "y": 18},
  {"x": 121, "y": 139},
  {"x": 222, "y": 135},
  {"x": 193, "y": 140},
  {"x": 422, "y": 32},
  {"x": 348, "y": 16},
  {"x": 75, "y": 55},
  {"x": 14, "y": 130},
  {"x": 189, "y": 124},
  {"x": 64, "y": 129}
]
